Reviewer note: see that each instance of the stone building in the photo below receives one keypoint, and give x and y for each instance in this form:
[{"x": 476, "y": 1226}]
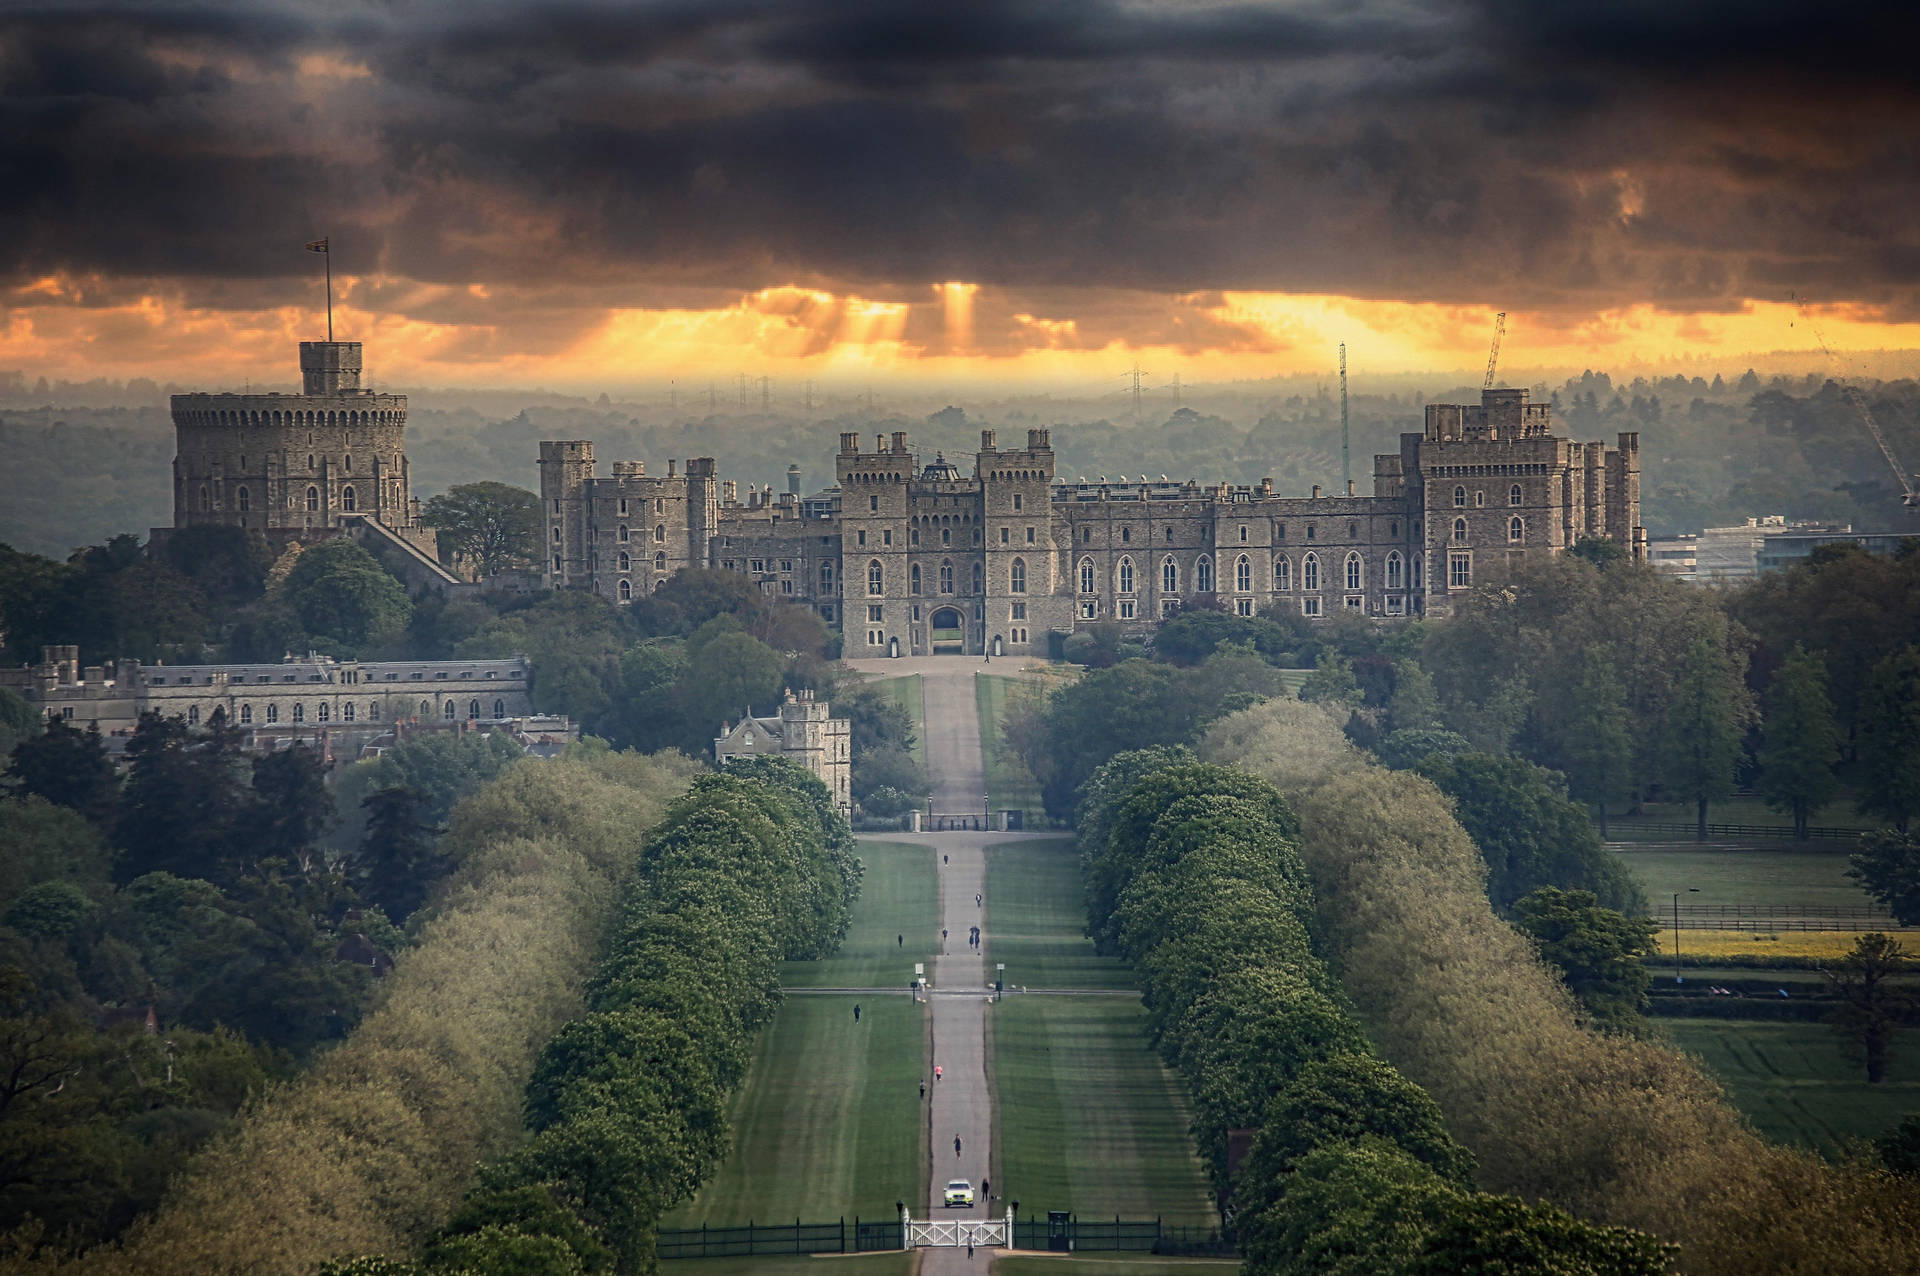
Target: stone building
[
  {"x": 908, "y": 556},
  {"x": 295, "y": 699},
  {"x": 804, "y": 731},
  {"x": 329, "y": 461}
]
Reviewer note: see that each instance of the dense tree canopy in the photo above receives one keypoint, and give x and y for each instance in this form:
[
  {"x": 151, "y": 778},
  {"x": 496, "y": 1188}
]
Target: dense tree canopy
[{"x": 494, "y": 527}]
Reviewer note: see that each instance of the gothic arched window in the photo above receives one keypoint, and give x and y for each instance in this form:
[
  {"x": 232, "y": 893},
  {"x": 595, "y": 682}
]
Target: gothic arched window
[
  {"x": 1310, "y": 573},
  {"x": 1086, "y": 575},
  {"x": 313, "y": 499},
  {"x": 1243, "y": 575},
  {"x": 246, "y": 715},
  {"x": 242, "y": 499},
  {"x": 913, "y": 580},
  {"x": 1394, "y": 569},
  {"x": 626, "y": 591},
  {"x": 1513, "y": 495},
  {"x": 1126, "y": 575},
  {"x": 876, "y": 578},
  {"x": 626, "y": 561},
  {"x": 1282, "y": 573},
  {"x": 1459, "y": 498},
  {"x": 1459, "y": 531},
  {"x": 346, "y": 498},
  {"x": 946, "y": 578},
  {"x": 1017, "y": 577},
  {"x": 1203, "y": 575},
  {"x": 1516, "y": 529},
  {"x": 499, "y": 708},
  {"x": 1169, "y": 576},
  {"x": 1356, "y": 573}
]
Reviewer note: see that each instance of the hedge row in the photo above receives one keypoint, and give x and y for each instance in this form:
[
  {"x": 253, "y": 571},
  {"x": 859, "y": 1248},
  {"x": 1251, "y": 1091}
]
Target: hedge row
[
  {"x": 1194, "y": 876},
  {"x": 1616, "y": 1129},
  {"x": 627, "y": 1106},
  {"x": 372, "y": 1149}
]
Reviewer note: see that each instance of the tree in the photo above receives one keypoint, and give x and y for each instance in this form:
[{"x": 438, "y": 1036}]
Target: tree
[
  {"x": 19, "y": 720},
  {"x": 1601, "y": 551},
  {"x": 68, "y": 768},
  {"x": 1598, "y": 746},
  {"x": 1598, "y": 952},
  {"x": 494, "y": 526},
  {"x": 398, "y": 861},
  {"x": 1706, "y": 723},
  {"x": 1529, "y": 832},
  {"x": 1872, "y": 1007},
  {"x": 344, "y": 598},
  {"x": 229, "y": 564},
  {"x": 1799, "y": 740},
  {"x": 1332, "y": 681},
  {"x": 182, "y": 811},
  {"x": 291, "y": 805},
  {"x": 1503, "y": 1234},
  {"x": 1890, "y": 739},
  {"x": 1888, "y": 866}
]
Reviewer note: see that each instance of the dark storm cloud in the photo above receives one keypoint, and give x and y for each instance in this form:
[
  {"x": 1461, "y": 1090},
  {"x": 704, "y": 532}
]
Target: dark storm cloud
[{"x": 1564, "y": 154}]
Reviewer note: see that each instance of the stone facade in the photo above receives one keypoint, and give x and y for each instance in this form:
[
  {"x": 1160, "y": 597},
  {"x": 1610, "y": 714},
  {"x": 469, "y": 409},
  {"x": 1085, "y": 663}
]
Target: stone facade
[
  {"x": 288, "y": 698},
  {"x": 805, "y": 731},
  {"x": 907, "y": 557},
  {"x": 298, "y": 466}
]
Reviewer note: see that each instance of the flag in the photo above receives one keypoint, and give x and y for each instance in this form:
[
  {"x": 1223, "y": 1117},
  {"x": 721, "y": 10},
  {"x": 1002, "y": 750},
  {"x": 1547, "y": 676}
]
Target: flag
[{"x": 316, "y": 245}]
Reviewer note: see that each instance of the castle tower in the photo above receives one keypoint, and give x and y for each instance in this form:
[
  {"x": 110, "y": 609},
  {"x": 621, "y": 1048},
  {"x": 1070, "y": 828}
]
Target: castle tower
[
  {"x": 1017, "y": 527},
  {"x": 566, "y": 475},
  {"x": 297, "y": 466}
]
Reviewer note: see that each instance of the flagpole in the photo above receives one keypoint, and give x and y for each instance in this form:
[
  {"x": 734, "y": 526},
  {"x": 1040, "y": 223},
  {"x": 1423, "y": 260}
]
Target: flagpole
[{"x": 329, "y": 256}]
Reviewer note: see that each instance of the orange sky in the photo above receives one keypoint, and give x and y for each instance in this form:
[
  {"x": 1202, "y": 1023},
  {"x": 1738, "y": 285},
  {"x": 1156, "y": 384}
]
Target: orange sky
[{"x": 957, "y": 332}]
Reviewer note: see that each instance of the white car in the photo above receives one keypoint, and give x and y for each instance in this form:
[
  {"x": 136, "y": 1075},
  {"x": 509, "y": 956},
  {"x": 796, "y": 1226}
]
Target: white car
[{"x": 959, "y": 1192}]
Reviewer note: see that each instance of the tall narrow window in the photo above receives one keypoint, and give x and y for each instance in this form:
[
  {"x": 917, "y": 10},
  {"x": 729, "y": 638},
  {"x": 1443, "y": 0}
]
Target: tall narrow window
[
  {"x": 1282, "y": 574},
  {"x": 1017, "y": 577},
  {"x": 246, "y": 715},
  {"x": 1395, "y": 570},
  {"x": 206, "y": 499},
  {"x": 1356, "y": 574},
  {"x": 1516, "y": 530},
  {"x": 299, "y": 713},
  {"x": 1310, "y": 573},
  {"x": 1459, "y": 531},
  {"x": 1513, "y": 494},
  {"x": 1459, "y": 569},
  {"x": 1169, "y": 576},
  {"x": 1126, "y": 575},
  {"x": 1203, "y": 575},
  {"x": 913, "y": 580},
  {"x": 1086, "y": 575},
  {"x": 313, "y": 499},
  {"x": 473, "y": 709},
  {"x": 242, "y": 499},
  {"x": 626, "y": 591},
  {"x": 499, "y": 709},
  {"x": 626, "y": 561},
  {"x": 946, "y": 578},
  {"x": 625, "y": 534},
  {"x": 1243, "y": 575},
  {"x": 1459, "y": 498},
  {"x": 876, "y": 579},
  {"x": 660, "y": 534},
  {"x": 347, "y": 499},
  {"x": 1416, "y": 577},
  {"x": 979, "y": 578},
  {"x": 449, "y": 711}
]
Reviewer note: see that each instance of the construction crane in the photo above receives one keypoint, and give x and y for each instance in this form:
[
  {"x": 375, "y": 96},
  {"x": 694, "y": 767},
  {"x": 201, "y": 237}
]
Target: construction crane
[
  {"x": 1346, "y": 449},
  {"x": 1493, "y": 355},
  {"x": 1908, "y": 495}
]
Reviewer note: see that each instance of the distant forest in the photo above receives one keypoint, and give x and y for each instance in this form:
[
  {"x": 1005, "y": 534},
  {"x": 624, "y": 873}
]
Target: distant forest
[{"x": 1712, "y": 452}]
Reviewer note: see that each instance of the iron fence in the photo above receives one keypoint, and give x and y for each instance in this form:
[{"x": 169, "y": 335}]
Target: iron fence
[
  {"x": 770, "y": 1238},
  {"x": 1771, "y": 832},
  {"x": 1114, "y": 1235}
]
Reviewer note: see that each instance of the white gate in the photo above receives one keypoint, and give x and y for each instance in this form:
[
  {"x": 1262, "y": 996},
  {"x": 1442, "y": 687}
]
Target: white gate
[{"x": 986, "y": 1233}]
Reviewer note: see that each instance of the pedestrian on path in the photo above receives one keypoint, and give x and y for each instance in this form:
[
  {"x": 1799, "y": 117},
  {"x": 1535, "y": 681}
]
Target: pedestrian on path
[
  {"x": 956, "y": 1145},
  {"x": 986, "y": 1191},
  {"x": 976, "y": 899},
  {"x": 856, "y": 1012},
  {"x": 969, "y": 1244},
  {"x": 900, "y": 940},
  {"x": 936, "y": 1073},
  {"x": 943, "y": 859},
  {"x": 923, "y": 1089}
]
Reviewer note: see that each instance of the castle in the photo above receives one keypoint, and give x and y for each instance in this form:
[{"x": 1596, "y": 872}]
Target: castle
[
  {"x": 804, "y": 731},
  {"x": 329, "y": 461},
  {"x": 906, "y": 557}
]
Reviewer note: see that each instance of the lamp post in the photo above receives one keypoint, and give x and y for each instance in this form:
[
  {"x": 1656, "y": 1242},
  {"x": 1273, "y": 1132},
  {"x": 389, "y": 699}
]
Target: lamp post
[
  {"x": 1691, "y": 890},
  {"x": 999, "y": 980}
]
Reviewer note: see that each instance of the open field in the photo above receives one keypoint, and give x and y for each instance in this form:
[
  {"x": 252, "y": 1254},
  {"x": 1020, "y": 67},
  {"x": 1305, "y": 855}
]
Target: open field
[
  {"x": 1036, "y": 920},
  {"x": 890, "y": 1263},
  {"x": 1823, "y": 944},
  {"x": 1779, "y": 879},
  {"x": 1086, "y": 1117},
  {"x": 828, "y": 1122},
  {"x": 906, "y": 693},
  {"x": 898, "y": 896},
  {"x": 1748, "y": 809},
  {"x": 1109, "y": 1265},
  {"x": 1010, "y": 786},
  {"x": 1794, "y": 1083}
]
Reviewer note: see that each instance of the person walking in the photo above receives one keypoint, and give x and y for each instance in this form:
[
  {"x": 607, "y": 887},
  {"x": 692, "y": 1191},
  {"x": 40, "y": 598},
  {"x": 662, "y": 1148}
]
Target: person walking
[
  {"x": 969, "y": 1244},
  {"x": 956, "y": 1145},
  {"x": 986, "y": 1192},
  {"x": 923, "y": 1089},
  {"x": 856, "y": 1012},
  {"x": 976, "y": 899},
  {"x": 936, "y": 1073},
  {"x": 900, "y": 940},
  {"x": 943, "y": 859}
]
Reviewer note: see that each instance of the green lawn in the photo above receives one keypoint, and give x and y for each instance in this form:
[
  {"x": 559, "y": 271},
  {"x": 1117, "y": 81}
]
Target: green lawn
[
  {"x": 1085, "y": 1116},
  {"x": 1753, "y": 810},
  {"x": 891, "y": 1263},
  {"x": 1036, "y": 920},
  {"x": 1794, "y": 1083},
  {"x": 906, "y": 693},
  {"x": 898, "y": 896},
  {"x": 1010, "y": 786},
  {"x": 829, "y": 1121},
  {"x": 1779, "y": 879}
]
